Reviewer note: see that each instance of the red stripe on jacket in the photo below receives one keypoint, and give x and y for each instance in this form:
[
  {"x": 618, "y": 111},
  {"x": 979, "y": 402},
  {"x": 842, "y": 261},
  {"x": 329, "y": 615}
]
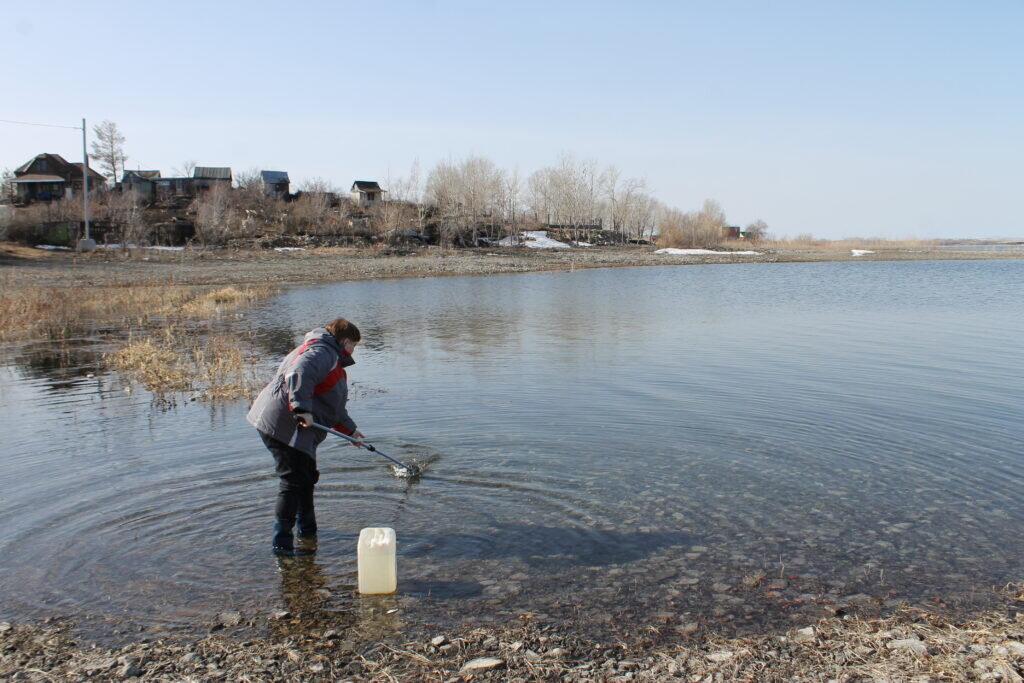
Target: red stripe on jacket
[{"x": 333, "y": 377}]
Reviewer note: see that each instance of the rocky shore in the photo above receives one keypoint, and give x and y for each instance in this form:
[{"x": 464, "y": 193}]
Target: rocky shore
[{"x": 908, "y": 646}]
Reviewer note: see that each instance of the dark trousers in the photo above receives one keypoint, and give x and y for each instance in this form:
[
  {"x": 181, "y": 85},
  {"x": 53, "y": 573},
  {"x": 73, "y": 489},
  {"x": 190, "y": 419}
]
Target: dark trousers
[{"x": 299, "y": 475}]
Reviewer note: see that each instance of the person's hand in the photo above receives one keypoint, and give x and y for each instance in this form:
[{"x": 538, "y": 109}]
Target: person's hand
[
  {"x": 303, "y": 418},
  {"x": 358, "y": 436}
]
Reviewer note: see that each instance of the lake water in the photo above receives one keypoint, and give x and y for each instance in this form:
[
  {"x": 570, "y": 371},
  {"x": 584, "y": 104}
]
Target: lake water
[{"x": 730, "y": 445}]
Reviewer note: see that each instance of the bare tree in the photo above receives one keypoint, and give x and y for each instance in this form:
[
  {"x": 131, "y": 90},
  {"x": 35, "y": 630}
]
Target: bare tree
[
  {"x": 512, "y": 199},
  {"x": 249, "y": 179},
  {"x": 311, "y": 212},
  {"x": 125, "y": 211},
  {"x": 7, "y": 191},
  {"x": 108, "y": 149},
  {"x": 442, "y": 192},
  {"x": 695, "y": 229},
  {"x": 566, "y": 194},
  {"x": 186, "y": 168},
  {"x": 415, "y": 194},
  {"x": 214, "y": 216},
  {"x": 757, "y": 231}
]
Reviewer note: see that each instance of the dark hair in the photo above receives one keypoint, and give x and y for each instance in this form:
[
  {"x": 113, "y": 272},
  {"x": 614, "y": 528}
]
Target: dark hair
[{"x": 343, "y": 329}]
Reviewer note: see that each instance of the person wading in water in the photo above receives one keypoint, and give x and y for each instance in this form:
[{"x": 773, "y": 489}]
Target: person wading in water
[{"x": 310, "y": 386}]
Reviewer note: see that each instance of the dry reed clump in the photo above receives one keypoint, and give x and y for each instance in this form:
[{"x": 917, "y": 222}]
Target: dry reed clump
[
  {"x": 156, "y": 366},
  {"x": 210, "y": 303},
  {"x": 160, "y": 354},
  {"x": 222, "y": 369},
  {"x": 216, "y": 366},
  {"x": 58, "y": 313},
  {"x": 35, "y": 312}
]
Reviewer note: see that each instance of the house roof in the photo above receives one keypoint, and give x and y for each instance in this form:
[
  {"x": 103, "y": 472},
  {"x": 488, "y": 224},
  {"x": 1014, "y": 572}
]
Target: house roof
[
  {"x": 212, "y": 172},
  {"x": 366, "y": 186},
  {"x": 274, "y": 177},
  {"x": 38, "y": 178},
  {"x": 145, "y": 175},
  {"x": 57, "y": 157}
]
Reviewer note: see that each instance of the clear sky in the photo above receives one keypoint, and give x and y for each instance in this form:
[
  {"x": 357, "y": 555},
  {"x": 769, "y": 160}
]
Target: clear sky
[{"x": 838, "y": 118}]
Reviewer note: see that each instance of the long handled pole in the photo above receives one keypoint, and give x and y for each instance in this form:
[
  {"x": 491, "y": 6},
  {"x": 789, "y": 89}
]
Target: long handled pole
[
  {"x": 412, "y": 469},
  {"x": 85, "y": 183},
  {"x": 86, "y": 243}
]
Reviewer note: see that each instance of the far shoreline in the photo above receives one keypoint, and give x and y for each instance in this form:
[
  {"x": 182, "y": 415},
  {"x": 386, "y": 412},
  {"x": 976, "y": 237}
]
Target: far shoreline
[{"x": 322, "y": 265}]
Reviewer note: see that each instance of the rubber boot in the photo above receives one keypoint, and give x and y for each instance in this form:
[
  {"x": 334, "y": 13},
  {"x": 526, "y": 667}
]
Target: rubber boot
[
  {"x": 306, "y": 517},
  {"x": 284, "y": 542}
]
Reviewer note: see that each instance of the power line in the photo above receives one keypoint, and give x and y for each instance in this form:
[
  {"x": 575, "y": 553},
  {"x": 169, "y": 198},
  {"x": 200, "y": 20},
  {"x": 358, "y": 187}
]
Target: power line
[{"x": 41, "y": 125}]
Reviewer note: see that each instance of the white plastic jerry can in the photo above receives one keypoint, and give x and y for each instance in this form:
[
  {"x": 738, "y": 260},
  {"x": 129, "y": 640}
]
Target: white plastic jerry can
[{"x": 375, "y": 560}]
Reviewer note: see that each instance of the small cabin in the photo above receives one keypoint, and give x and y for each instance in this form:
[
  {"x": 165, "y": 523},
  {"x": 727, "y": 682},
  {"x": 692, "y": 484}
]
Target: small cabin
[
  {"x": 140, "y": 182},
  {"x": 366, "y": 193},
  {"x": 275, "y": 183}
]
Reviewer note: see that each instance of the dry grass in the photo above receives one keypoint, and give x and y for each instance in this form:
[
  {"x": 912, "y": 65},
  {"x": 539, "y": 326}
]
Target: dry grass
[
  {"x": 154, "y": 364},
  {"x": 165, "y": 350},
  {"x": 216, "y": 366},
  {"x": 32, "y": 311},
  {"x": 225, "y": 298}
]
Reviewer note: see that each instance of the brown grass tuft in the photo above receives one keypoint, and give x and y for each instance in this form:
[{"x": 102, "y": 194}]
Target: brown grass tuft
[
  {"x": 156, "y": 366},
  {"x": 216, "y": 366}
]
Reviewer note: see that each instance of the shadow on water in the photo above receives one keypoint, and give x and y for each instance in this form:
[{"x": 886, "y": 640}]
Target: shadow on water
[
  {"x": 314, "y": 603},
  {"x": 549, "y": 548}
]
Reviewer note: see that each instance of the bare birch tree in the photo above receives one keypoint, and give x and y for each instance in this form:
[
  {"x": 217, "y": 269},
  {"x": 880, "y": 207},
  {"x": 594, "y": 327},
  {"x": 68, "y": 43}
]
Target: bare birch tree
[{"x": 108, "y": 149}]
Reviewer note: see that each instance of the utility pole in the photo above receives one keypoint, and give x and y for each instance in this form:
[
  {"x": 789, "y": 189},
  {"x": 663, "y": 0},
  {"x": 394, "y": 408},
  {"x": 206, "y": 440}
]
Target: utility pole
[{"x": 86, "y": 243}]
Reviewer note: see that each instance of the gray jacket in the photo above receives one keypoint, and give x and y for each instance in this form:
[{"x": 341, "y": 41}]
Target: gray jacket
[{"x": 311, "y": 378}]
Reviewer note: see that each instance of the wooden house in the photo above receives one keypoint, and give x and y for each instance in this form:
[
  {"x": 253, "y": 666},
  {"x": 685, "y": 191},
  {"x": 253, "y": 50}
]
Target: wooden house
[
  {"x": 167, "y": 188},
  {"x": 50, "y": 176},
  {"x": 207, "y": 177},
  {"x": 141, "y": 182}
]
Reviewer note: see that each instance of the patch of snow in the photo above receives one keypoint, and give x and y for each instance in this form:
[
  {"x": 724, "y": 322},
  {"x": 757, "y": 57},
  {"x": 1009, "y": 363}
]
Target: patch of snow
[
  {"x": 289, "y": 249},
  {"x": 860, "y": 252},
  {"x": 583, "y": 244},
  {"x": 695, "y": 252},
  {"x": 534, "y": 239},
  {"x": 161, "y": 248},
  {"x": 52, "y": 247}
]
